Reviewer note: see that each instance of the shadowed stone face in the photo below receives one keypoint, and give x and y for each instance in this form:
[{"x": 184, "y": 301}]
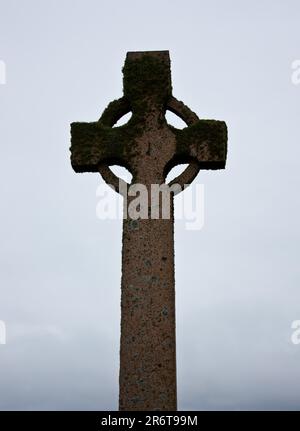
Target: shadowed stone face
[{"x": 149, "y": 148}]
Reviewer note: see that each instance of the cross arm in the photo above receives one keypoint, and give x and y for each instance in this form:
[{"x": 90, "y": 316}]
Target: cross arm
[
  {"x": 93, "y": 144},
  {"x": 205, "y": 141}
]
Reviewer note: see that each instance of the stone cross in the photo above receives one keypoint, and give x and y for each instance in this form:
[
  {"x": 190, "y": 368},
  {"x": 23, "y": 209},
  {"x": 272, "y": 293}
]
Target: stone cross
[{"x": 149, "y": 148}]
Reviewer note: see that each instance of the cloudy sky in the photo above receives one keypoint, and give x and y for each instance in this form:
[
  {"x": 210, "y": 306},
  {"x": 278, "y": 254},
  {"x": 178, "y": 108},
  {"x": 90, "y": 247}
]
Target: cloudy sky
[{"x": 237, "y": 279}]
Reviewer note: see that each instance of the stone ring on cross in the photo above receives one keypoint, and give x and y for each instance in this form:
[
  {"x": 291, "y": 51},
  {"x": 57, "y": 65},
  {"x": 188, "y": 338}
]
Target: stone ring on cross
[
  {"x": 149, "y": 148},
  {"x": 117, "y": 109}
]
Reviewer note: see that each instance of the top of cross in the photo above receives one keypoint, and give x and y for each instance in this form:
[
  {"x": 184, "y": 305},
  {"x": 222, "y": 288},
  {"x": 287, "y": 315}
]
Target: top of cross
[{"x": 147, "y": 145}]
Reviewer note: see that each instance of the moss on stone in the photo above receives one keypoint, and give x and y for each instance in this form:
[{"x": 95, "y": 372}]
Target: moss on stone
[
  {"x": 205, "y": 137},
  {"x": 95, "y": 143},
  {"x": 147, "y": 77},
  {"x": 114, "y": 111}
]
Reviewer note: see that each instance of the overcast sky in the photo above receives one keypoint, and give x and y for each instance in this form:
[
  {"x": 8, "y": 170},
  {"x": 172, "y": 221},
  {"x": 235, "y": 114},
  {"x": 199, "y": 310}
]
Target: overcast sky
[{"x": 237, "y": 279}]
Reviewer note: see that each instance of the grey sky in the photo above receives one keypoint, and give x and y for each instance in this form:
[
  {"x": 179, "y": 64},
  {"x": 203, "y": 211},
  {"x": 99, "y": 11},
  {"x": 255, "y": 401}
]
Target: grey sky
[{"x": 237, "y": 280}]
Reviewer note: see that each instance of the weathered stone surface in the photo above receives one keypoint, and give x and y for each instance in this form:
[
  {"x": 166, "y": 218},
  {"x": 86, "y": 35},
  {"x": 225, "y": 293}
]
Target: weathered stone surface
[{"x": 149, "y": 147}]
